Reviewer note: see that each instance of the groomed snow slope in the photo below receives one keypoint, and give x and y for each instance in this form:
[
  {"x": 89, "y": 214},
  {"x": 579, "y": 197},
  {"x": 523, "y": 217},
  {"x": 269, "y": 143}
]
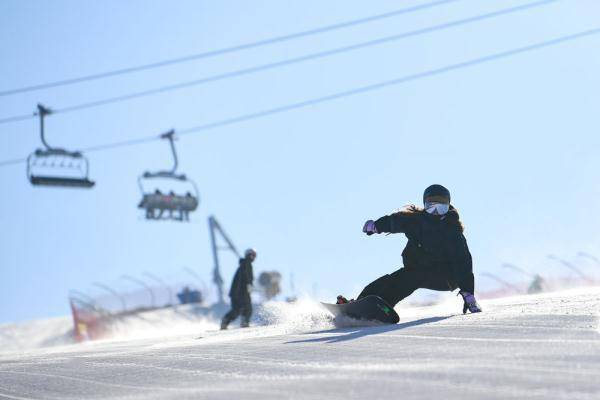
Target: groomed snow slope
[{"x": 540, "y": 347}]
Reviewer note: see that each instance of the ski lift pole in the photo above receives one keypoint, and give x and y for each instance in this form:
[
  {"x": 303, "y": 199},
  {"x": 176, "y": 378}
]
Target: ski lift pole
[
  {"x": 571, "y": 267},
  {"x": 197, "y": 277},
  {"x": 81, "y": 295},
  {"x": 217, "y": 278},
  {"x": 589, "y": 256},
  {"x": 214, "y": 226},
  {"x": 113, "y": 292},
  {"x": 501, "y": 281},
  {"x": 144, "y": 285},
  {"x": 163, "y": 283},
  {"x": 292, "y": 285},
  {"x": 518, "y": 269},
  {"x": 193, "y": 274}
]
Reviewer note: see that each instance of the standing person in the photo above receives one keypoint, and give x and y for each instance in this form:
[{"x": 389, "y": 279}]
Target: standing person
[
  {"x": 436, "y": 256},
  {"x": 239, "y": 293}
]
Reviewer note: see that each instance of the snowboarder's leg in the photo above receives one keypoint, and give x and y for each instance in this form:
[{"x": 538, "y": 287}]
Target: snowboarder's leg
[
  {"x": 375, "y": 287},
  {"x": 403, "y": 283},
  {"x": 394, "y": 287},
  {"x": 438, "y": 279},
  {"x": 443, "y": 279},
  {"x": 467, "y": 283},
  {"x": 230, "y": 316},
  {"x": 246, "y": 314}
]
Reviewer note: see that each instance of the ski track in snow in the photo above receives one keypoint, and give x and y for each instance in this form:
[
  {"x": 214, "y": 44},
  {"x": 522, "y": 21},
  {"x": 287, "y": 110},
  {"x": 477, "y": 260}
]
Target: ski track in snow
[{"x": 535, "y": 347}]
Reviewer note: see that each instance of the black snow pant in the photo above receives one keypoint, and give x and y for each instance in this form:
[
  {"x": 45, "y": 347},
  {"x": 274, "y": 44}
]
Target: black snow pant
[
  {"x": 243, "y": 308},
  {"x": 401, "y": 283}
]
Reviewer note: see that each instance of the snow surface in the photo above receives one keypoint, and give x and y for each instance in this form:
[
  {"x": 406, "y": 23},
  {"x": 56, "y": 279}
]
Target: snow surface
[{"x": 540, "y": 346}]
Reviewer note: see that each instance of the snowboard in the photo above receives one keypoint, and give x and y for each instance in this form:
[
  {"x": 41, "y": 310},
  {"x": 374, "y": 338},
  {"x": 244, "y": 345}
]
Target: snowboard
[{"x": 369, "y": 308}]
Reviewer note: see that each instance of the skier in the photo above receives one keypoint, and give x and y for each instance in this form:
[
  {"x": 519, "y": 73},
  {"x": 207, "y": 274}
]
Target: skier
[
  {"x": 436, "y": 256},
  {"x": 240, "y": 292}
]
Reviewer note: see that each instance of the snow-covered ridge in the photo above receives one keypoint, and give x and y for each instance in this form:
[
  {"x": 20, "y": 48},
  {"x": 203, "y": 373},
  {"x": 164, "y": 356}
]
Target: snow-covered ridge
[
  {"x": 544, "y": 346},
  {"x": 282, "y": 318},
  {"x": 273, "y": 317}
]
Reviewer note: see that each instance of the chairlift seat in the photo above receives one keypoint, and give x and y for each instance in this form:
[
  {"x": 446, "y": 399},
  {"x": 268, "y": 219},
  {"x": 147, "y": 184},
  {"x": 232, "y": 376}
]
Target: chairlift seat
[
  {"x": 54, "y": 173},
  {"x": 169, "y": 202},
  {"x": 60, "y": 181},
  {"x": 156, "y": 202}
]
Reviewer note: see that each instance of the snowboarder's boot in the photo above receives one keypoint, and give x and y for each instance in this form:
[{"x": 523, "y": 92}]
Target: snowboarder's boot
[
  {"x": 225, "y": 322},
  {"x": 244, "y": 324},
  {"x": 470, "y": 302}
]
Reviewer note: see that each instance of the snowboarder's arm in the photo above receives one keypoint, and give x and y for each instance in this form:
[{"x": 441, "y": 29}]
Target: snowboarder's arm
[
  {"x": 235, "y": 284},
  {"x": 462, "y": 263},
  {"x": 395, "y": 223},
  {"x": 249, "y": 277}
]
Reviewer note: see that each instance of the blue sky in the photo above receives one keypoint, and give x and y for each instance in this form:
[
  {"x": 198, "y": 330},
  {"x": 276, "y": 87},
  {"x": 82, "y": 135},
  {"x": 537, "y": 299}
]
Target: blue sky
[{"x": 515, "y": 140}]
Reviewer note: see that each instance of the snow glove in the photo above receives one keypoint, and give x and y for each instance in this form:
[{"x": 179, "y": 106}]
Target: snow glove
[
  {"x": 369, "y": 228},
  {"x": 470, "y": 302}
]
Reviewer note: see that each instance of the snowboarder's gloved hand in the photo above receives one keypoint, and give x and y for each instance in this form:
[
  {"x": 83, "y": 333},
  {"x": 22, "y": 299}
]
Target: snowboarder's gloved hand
[
  {"x": 470, "y": 302},
  {"x": 369, "y": 228}
]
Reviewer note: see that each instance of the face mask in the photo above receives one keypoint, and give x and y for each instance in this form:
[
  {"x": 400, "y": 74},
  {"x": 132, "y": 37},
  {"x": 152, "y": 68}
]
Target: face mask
[{"x": 437, "y": 208}]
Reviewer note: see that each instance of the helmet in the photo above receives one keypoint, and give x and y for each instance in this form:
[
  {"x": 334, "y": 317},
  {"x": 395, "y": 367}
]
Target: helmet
[
  {"x": 250, "y": 252},
  {"x": 436, "y": 194}
]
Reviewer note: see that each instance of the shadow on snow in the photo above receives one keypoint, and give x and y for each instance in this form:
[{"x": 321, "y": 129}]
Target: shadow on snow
[{"x": 358, "y": 332}]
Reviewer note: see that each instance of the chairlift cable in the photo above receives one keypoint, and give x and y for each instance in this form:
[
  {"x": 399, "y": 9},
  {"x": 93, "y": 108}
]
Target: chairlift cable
[
  {"x": 17, "y": 118},
  {"x": 349, "y": 93},
  {"x": 14, "y": 161},
  {"x": 294, "y": 60},
  {"x": 124, "y": 143},
  {"x": 392, "y": 82},
  {"x": 228, "y": 50}
]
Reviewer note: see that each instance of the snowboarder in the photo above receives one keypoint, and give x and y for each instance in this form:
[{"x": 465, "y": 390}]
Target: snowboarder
[
  {"x": 239, "y": 293},
  {"x": 436, "y": 256}
]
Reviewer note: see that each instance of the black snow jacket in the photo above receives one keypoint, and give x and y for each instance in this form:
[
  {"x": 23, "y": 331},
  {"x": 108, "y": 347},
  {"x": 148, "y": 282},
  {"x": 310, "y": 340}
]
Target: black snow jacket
[
  {"x": 243, "y": 277},
  {"x": 434, "y": 243}
]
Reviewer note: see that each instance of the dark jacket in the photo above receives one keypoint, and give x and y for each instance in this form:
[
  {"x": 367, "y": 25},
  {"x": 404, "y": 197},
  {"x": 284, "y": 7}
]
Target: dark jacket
[
  {"x": 243, "y": 277},
  {"x": 434, "y": 243}
]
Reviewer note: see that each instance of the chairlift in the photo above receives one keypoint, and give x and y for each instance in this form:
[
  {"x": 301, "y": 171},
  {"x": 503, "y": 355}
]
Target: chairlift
[
  {"x": 169, "y": 205},
  {"x": 57, "y": 167}
]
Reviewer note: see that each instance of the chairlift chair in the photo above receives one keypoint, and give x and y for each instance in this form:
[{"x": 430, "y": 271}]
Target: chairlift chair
[
  {"x": 57, "y": 167},
  {"x": 170, "y": 205}
]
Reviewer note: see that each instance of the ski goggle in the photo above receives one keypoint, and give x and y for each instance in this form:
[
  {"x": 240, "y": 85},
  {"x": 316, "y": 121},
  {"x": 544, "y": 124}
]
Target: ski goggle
[{"x": 437, "y": 208}]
